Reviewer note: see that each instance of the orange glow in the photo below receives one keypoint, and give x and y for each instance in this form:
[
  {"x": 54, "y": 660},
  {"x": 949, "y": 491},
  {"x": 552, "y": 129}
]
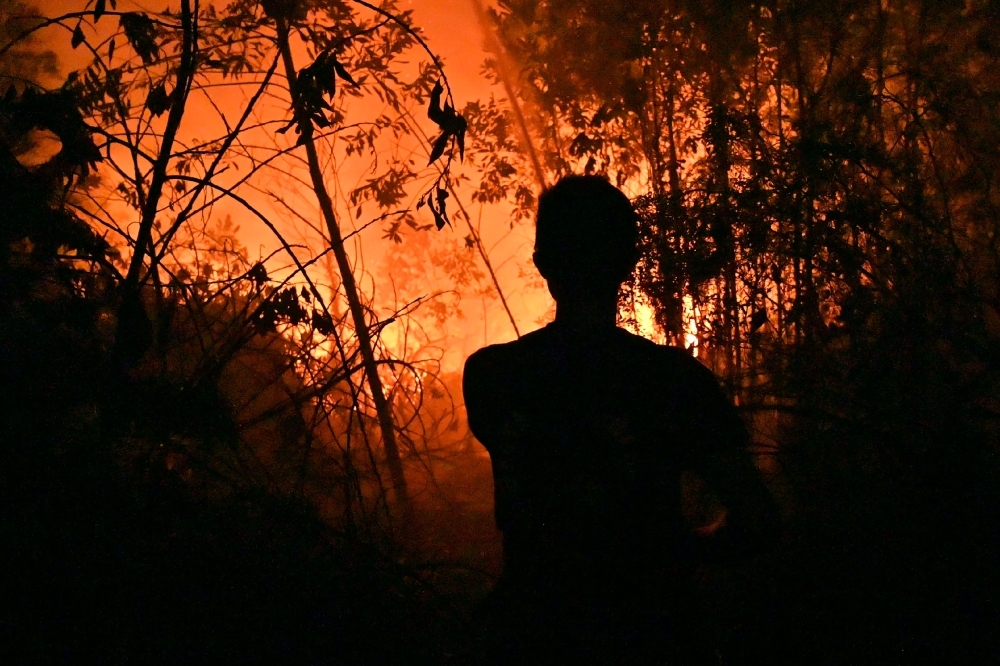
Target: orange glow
[
  {"x": 645, "y": 322},
  {"x": 476, "y": 317},
  {"x": 691, "y": 316}
]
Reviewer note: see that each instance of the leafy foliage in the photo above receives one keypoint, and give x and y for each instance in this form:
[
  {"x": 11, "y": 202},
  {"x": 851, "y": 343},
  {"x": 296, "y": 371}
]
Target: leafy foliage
[
  {"x": 814, "y": 182},
  {"x": 314, "y": 86},
  {"x": 59, "y": 113},
  {"x": 205, "y": 408},
  {"x": 140, "y": 31}
]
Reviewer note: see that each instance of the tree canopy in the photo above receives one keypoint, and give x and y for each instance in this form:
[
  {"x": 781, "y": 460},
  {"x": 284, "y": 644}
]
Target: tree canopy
[{"x": 817, "y": 187}]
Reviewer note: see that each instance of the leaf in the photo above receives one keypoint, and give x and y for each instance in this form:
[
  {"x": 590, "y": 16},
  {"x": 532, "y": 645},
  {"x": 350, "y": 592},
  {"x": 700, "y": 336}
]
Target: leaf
[
  {"x": 99, "y": 8},
  {"x": 439, "y": 145},
  {"x": 258, "y": 274},
  {"x": 450, "y": 121},
  {"x": 158, "y": 101},
  {"x": 322, "y": 322},
  {"x": 343, "y": 73},
  {"x": 393, "y": 232},
  {"x": 265, "y": 319},
  {"x": 111, "y": 50},
  {"x": 286, "y": 304},
  {"x": 140, "y": 31},
  {"x": 287, "y": 10},
  {"x": 453, "y": 121},
  {"x": 439, "y": 220},
  {"x": 434, "y": 111},
  {"x": 441, "y": 213},
  {"x": 78, "y": 36},
  {"x": 313, "y": 85}
]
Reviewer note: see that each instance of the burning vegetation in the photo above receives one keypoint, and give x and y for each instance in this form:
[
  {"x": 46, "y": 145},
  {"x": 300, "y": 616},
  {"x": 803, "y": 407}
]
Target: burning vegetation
[{"x": 229, "y": 438}]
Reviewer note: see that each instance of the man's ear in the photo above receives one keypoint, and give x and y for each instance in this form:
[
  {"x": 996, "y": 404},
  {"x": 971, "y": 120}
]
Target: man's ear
[
  {"x": 629, "y": 266},
  {"x": 541, "y": 264}
]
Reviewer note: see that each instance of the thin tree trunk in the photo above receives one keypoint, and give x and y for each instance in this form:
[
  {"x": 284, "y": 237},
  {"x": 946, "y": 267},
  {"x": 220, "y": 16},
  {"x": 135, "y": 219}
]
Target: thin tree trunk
[
  {"x": 412, "y": 124},
  {"x": 673, "y": 166},
  {"x": 675, "y": 200},
  {"x": 723, "y": 161},
  {"x": 807, "y": 302},
  {"x": 780, "y": 260},
  {"x": 506, "y": 77},
  {"x": 185, "y": 73},
  {"x": 382, "y": 408},
  {"x": 486, "y": 259},
  {"x": 135, "y": 332}
]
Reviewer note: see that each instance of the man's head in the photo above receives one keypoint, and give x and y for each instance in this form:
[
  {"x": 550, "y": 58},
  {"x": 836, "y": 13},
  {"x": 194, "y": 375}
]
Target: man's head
[{"x": 586, "y": 236}]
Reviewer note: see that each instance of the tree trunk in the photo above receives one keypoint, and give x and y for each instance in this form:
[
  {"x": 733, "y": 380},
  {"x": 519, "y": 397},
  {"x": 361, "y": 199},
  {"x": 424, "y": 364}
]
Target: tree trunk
[
  {"x": 723, "y": 161},
  {"x": 185, "y": 73},
  {"x": 382, "y": 409}
]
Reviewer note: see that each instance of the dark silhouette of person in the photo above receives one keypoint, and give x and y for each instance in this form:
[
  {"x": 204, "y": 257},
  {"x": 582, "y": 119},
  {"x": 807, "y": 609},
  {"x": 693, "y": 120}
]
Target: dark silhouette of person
[{"x": 589, "y": 428}]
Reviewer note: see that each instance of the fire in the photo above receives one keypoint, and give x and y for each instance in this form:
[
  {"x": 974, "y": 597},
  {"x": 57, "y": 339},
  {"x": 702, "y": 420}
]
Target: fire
[
  {"x": 645, "y": 323},
  {"x": 690, "y": 315}
]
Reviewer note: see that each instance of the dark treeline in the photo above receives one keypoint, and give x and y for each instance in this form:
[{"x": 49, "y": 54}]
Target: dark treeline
[{"x": 819, "y": 212}]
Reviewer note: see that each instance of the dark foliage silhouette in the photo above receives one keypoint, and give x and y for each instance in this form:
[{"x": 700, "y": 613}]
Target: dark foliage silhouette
[
  {"x": 814, "y": 182},
  {"x": 191, "y": 469}
]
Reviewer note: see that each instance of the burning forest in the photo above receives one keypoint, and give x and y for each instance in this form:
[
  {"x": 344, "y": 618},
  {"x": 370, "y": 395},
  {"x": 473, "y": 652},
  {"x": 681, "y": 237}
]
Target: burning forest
[{"x": 247, "y": 249}]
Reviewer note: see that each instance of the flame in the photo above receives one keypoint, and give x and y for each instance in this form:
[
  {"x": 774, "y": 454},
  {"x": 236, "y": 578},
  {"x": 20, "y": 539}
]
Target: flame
[
  {"x": 645, "y": 325},
  {"x": 645, "y": 322},
  {"x": 690, "y": 314}
]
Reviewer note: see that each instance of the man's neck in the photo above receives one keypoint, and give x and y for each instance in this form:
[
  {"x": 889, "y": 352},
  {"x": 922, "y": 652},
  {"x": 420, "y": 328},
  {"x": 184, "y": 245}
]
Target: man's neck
[{"x": 587, "y": 315}]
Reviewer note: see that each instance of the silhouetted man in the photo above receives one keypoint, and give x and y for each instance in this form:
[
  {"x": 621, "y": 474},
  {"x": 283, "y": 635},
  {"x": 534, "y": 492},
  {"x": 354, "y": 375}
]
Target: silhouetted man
[{"x": 589, "y": 428}]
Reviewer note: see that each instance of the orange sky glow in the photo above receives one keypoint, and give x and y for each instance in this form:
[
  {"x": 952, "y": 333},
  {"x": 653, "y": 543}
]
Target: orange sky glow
[{"x": 453, "y": 32}]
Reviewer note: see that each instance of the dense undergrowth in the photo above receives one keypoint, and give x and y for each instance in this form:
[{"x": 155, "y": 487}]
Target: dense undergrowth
[{"x": 124, "y": 542}]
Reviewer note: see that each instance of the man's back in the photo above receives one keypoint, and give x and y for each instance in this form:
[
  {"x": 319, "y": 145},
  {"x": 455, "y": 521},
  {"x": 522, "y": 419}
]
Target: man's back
[
  {"x": 589, "y": 428},
  {"x": 588, "y": 434}
]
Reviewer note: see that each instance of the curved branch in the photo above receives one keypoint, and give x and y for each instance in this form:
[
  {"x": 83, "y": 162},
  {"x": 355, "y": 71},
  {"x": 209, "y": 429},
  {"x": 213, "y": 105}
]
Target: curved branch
[
  {"x": 204, "y": 180},
  {"x": 65, "y": 17},
  {"x": 407, "y": 28}
]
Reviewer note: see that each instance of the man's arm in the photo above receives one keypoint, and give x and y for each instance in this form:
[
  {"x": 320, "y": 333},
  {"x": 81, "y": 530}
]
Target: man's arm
[
  {"x": 479, "y": 388},
  {"x": 720, "y": 454},
  {"x": 485, "y": 386}
]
